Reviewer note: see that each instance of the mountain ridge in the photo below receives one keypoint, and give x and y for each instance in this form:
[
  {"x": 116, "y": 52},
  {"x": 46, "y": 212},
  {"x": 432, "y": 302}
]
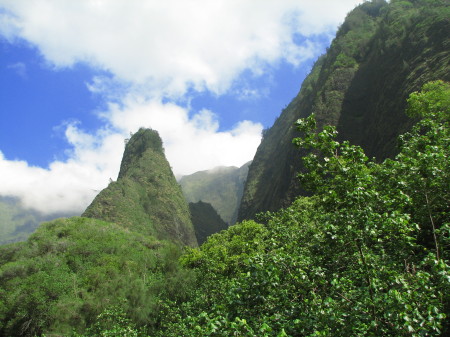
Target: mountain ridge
[
  {"x": 380, "y": 55},
  {"x": 146, "y": 197},
  {"x": 206, "y": 220},
  {"x": 221, "y": 186}
]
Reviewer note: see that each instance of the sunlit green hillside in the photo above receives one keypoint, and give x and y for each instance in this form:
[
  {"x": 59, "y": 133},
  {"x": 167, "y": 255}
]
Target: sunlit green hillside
[{"x": 222, "y": 187}]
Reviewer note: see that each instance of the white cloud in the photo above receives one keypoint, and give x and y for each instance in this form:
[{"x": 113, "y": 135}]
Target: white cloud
[
  {"x": 156, "y": 51},
  {"x": 172, "y": 44},
  {"x": 65, "y": 187},
  {"x": 191, "y": 144}
]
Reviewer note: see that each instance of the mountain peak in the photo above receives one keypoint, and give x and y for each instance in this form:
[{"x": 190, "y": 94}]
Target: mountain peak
[
  {"x": 146, "y": 198},
  {"x": 136, "y": 147}
]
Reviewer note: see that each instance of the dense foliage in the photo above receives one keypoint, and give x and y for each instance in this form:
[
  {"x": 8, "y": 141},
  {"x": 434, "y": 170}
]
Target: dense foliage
[
  {"x": 72, "y": 270},
  {"x": 368, "y": 255},
  {"x": 382, "y": 52}
]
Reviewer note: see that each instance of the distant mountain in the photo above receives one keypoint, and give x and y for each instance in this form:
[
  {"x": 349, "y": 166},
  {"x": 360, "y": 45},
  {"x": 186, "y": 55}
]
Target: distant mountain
[
  {"x": 222, "y": 187},
  {"x": 146, "y": 197},
  {"x": 17, "y": 222},
  {"x": 381, "y": 53},
  {"x": 367, "y": 255},
  {"x": 206, "y": 220}
]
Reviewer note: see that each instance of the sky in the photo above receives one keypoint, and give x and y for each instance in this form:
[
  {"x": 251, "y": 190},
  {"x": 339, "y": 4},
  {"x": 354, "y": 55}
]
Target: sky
[{"x": 79, "y": 77}]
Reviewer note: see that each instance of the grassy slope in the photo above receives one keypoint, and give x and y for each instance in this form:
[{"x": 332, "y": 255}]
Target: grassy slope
[{"x": 70, "y": 270}]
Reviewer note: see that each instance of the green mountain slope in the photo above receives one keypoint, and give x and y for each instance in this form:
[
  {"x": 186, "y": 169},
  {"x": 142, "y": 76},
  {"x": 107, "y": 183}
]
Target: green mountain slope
[
  {"x": 70, "y": 271},
  {"x": 222, "y": 187},
  {"x": 381, "y": 53},
  {"x": 366, "y": 255},
  {"x": 206, "y": 220},
  {"x": 146, "y": 197}
]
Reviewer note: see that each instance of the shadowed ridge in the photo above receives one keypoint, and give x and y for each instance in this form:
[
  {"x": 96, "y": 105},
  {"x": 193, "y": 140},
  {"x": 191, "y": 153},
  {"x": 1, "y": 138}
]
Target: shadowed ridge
[{"x": 381, "y": 54}]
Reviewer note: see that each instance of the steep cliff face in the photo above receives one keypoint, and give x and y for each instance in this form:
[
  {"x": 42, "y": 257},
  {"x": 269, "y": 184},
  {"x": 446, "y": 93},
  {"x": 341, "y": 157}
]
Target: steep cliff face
[
  {"x": 146, "y": 197},
  {"x": 381, "y": 54}
]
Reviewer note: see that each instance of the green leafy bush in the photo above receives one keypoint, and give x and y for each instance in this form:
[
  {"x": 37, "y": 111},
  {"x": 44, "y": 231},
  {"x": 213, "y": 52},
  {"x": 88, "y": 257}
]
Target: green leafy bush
[{"x": 366, "y": 256}]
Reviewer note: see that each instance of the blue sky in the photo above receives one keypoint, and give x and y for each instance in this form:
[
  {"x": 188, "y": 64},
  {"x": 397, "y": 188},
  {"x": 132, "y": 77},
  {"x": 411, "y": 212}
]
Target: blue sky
[
  {"x": 35, "y": 101},
  {"x": 76, "y": 78},
  {"x": 38, "y": 101}
]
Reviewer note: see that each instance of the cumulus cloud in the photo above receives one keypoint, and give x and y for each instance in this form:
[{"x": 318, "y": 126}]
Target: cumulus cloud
[
  {"x": 152, "y": 54},
  {"x": 191, "y": 143},
  {"x": 172, "y": 45},
  {"x": 65, "y": 187}
]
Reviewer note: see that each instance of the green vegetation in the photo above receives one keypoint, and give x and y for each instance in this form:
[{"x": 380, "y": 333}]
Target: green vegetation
[
  {"x": 146, "y": 197},
  {"x": 381, "y": 53},
  {"x": 16, "y": 225},
  {"x": 368, "y": 255},
  {"x": 86, "y": 276},
  {"x": 206, "y": 220},
  {"x": 72, "y": 270},
  {"x": 222, "y": 187}
]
